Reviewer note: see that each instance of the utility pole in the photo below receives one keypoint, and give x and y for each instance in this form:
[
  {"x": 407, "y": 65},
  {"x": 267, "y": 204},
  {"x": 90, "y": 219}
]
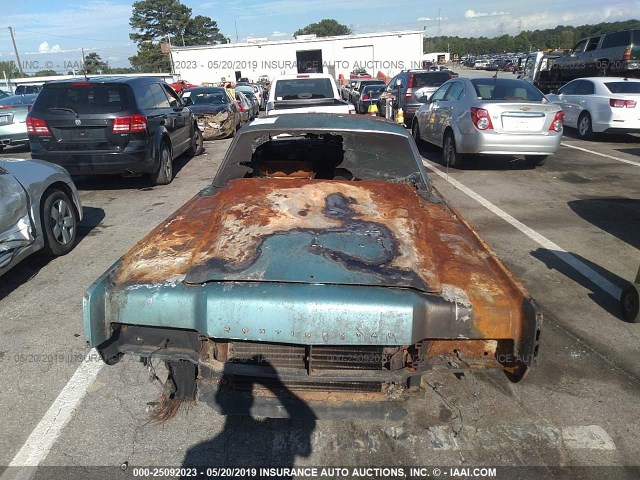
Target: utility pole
[{"x": 15, "y": 49}]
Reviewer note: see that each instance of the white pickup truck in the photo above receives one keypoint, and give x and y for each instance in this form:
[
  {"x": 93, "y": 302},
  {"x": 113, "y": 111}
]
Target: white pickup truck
[{"x": 306, "y": 93}]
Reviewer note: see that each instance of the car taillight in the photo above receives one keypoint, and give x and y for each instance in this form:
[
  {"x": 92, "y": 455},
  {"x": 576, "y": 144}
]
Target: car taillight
[
  {"x": 622, "y": 103},
  {"x": 37, "y": 126},
  {"x": 366, "y": 96},
  {"x": 558, "y": 122},
  {"x": 480, "y": 118},
  {"x": 135, "y": 123},
  {"x": 240, "y": 107},
  {"x": 409, "y": 91},
  {"x": 627, "y": 54}
]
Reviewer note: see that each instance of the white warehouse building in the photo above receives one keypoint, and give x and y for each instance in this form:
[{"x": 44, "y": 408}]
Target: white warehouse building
[{"x": 388, "y": 52}]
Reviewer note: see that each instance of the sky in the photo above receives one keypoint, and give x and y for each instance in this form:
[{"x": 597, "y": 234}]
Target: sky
[{"x": 52, "y": 34}]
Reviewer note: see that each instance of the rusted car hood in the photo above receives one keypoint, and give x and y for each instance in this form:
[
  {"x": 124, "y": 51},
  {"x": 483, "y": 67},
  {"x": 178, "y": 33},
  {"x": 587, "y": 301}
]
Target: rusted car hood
[
  {"x": 291, "y": 230},
  {"x": 316, "y": 231}
]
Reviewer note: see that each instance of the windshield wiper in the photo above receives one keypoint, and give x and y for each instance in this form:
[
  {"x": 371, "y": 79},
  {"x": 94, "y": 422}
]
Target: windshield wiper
[{"x": 63, "y": 109}]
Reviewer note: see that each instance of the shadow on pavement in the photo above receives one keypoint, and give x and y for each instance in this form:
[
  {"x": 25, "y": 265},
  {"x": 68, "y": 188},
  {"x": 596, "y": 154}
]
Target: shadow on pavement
[
  {"x": 617, "y": 216},
  {"x": 477, "y": 162},
  {"x": 552, "y": 260},
  {"x": 248, "y": 442}
]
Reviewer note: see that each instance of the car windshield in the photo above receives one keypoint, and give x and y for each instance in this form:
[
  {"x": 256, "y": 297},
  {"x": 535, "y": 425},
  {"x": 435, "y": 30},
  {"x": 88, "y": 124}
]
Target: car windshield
[
  {"x": 84, "y": 98},
  {"x": 623, "y": 87},
  {"x": 431, "y": 79},
  {"x": 208, "y": 97},
  {"x": 506, "y": 89},
  {"x": 303, "y": 88},
  {"x": 369, "y": 156}
]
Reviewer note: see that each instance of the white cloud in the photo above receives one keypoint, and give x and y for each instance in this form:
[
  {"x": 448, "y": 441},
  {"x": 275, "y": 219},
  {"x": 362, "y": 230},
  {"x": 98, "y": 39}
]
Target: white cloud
[
  {"x": 45, "y": 48},
  {"x": 423, "y": 19},
  {"x": 207, "y": 5},
  {"x": 276, "y": 33},
  {"x": 474, "y": 14}
]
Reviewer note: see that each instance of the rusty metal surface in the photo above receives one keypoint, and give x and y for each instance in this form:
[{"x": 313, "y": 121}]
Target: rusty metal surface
[{"x": 427, "y": 246}]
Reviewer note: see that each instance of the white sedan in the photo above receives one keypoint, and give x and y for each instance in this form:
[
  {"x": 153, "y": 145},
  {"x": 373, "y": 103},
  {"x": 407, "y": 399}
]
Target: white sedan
[{"x": 600, "y": 105}]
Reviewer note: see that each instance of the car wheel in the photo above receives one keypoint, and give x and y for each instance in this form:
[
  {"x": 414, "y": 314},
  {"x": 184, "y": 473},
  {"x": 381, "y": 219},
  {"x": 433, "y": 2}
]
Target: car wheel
[
  {"x": 197, "y": 143},
  {"x": 415, "y": 132},
  {"x": 585, "y": 129},
  {"x": 450, "y": 155},
  {"x": 629, "y": 301},
  {"x": 536, "y": 160},
  {"x": 164, "y": 174},
  {"x": 60, "y": 222}
]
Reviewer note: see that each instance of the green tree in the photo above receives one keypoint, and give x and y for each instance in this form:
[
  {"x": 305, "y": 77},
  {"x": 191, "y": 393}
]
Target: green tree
[
  {"x": 150, "y": 59},
  {"x": 10, "y": 69},
  {"x": 45, "y": 73},
  {"x": 155, "y": 21},
  {"x": 324, "y": 28},
  {"x": 93, "y": 64}
]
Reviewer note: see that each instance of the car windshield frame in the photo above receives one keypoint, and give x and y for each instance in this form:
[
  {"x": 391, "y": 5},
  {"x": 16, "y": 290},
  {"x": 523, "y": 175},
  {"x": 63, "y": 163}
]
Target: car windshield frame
[{"x": 371, "y": 156}]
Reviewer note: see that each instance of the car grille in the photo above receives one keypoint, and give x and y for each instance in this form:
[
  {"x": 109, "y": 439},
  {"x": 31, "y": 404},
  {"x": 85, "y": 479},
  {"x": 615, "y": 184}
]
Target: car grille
[{"x": 307, "y": 357}]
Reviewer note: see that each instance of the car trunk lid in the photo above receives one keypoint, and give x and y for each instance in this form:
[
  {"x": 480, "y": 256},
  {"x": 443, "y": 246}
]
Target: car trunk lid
[{"x": 521, "y": 118}]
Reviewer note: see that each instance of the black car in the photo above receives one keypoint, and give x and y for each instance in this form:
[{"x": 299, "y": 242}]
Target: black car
[{"x": 113, "y": 125}]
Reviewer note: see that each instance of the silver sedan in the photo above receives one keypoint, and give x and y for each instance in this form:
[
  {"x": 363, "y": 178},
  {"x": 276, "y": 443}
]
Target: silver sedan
[
  {"x": 495, "y": 116},
  {"x": 13, "y": 118},
  {"x": 40, "y": 209}
]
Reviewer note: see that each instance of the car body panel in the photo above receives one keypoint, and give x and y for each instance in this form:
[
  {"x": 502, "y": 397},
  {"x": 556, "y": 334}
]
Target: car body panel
[
  {"x": 24, "y": 184},
  {"x": 218, "y": 117},
  {"x": 591, "y": 95},
  {"x": 271, "y": 264},
  {"x": 519, "y": 127}
]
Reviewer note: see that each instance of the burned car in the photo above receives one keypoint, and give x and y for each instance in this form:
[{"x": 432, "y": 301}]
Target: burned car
[
  {"x": 320, "y": 252},
  {"x": 216, "y": 112}
]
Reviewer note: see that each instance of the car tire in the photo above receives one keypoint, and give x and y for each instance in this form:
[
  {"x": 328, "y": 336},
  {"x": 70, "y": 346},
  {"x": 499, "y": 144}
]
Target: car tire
[
  {"x": 585, "y": 127},
  {"x": 536, "y": 160},
  {"x": 164, "y": 174},
  {"x": 415, "y": 133},
  {"x": 197, "y": 143},
  {"x": 629, "y": 302},
  {"x": 59, "y": 222},
  {"x": 450, "y": 154}
]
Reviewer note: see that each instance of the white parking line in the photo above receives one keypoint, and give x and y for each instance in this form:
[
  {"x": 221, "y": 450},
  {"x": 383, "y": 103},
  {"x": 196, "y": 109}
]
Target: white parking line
[
  {"x": 45, "y": 434},
  {"x": 559, "y": 252},
  {"x": 624, "y": 160}
]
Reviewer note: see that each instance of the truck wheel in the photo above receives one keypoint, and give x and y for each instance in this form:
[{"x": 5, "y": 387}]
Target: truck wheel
[
  {"x": 164, "y": 174},
  {"x": 630, "y": 304},
  {"x": 59, "y": 221},
  {"x": 450, "y": 155},
  {"x": 585, "y": 129}
]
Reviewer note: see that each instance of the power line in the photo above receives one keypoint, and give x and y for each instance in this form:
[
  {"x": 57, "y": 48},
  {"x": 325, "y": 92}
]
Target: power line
[{"x": 60, "y": 36}]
